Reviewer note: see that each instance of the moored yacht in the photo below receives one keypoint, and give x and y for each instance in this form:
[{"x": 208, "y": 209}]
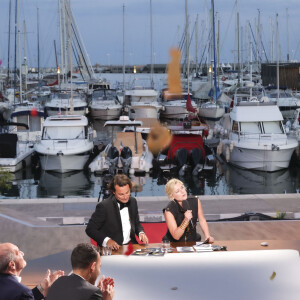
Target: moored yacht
[
  {"x": 257, "y": 139},
  {"x": 66, "y": 143},
  {"x": 142, "y": 101},
  {"x": 105, "y": 104},
  {"x": 15, "y": 151},
  {"x": 61, "y": 103}
]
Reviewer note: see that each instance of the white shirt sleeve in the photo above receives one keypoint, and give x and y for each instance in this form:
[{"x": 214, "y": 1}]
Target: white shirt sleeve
[{"x": 105, "y": 241}]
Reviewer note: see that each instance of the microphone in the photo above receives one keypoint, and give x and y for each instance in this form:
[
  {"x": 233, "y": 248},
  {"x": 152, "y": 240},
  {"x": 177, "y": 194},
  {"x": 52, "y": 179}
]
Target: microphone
[{"x": 186, "y": 206}]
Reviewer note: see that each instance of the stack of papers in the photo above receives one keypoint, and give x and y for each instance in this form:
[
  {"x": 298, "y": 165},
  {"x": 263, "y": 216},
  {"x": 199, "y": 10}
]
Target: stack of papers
[
  {"x": 203, "y": 247},
  {"x": 185, "y": 249},
  {"x": 149, "y": 252}
]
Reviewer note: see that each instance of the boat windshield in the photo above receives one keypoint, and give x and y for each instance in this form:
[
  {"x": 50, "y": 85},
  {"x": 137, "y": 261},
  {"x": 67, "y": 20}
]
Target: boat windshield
[
  {"x": 266, "y": 127},
  {"x": 105, "y": 94},
  {"x": 273, "y": 127},
  {"x": 63, "y": 133}
]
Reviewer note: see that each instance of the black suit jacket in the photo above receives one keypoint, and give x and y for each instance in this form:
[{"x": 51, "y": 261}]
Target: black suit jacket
[
  {"x": 106, "y": 221},
  {"x": 73, "y": 287},
  {"x": 11, "y": 289}
]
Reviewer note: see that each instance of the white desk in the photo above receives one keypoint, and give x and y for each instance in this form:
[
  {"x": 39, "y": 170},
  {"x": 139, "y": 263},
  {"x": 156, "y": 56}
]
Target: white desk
[{"x": 236, "y": 275}]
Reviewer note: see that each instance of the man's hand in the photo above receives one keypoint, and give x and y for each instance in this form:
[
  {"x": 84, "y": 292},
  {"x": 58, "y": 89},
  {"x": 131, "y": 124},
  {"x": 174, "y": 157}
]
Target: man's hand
[
  {"x": 49, "y": 279},
  {"x": 112, "y": 244},
  {"x": 143, "y": 238},
  {"x": 107, "y": 287}
]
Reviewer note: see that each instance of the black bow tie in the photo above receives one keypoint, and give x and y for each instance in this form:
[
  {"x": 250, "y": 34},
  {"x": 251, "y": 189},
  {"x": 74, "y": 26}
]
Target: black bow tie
[{"x": 122, "y": 205}]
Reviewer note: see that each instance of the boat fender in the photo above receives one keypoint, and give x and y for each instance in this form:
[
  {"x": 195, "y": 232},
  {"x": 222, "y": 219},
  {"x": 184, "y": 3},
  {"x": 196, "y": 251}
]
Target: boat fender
[
  {"x": 227, "y": 153},
  {"x": 231, "y": 146},
  {"x": 220, "y": 148}
]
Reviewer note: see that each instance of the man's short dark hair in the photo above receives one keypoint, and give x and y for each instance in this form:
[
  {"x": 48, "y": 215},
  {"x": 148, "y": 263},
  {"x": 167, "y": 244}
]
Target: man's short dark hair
[
  {"x": 83, "y": 255},
  {"x": 120, "y": 180}
]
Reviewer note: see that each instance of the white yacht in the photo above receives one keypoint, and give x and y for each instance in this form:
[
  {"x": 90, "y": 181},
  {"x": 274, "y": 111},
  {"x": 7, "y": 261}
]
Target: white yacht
[
  {"x": 61, "y": 103},
  {"x": 66, "y": 143},
  {"x": 286, "y": 102},
  {"x": 211, "y": 110},
  {"x": 142, "y": 101},
  {"x": 175, "y": 108},
  {"x": 105, "y": 104},
  {"x": 257, "y": 139},
  {"x": 15, "y": 152}
]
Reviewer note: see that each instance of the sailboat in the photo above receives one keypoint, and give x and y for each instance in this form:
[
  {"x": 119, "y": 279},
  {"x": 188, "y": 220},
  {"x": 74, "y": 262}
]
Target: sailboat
[
  {"x": 142, "y": 100},
  {"x": 212, "y": 110}
]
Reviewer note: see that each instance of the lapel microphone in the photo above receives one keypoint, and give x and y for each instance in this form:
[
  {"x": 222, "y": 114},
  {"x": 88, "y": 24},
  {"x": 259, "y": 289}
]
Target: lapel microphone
[{"x": 186, "y": 206}]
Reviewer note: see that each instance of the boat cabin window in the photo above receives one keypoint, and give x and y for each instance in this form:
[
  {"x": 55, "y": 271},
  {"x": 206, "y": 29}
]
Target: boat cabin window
[
  {"x": 273, "y": 127},
  {"x": 250, "y": 127},
  {"x": 64, "y": 133}
]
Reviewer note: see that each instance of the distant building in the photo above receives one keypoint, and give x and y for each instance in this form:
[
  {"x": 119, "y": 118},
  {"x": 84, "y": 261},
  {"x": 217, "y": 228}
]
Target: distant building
[{"x": 289, "y": 75}]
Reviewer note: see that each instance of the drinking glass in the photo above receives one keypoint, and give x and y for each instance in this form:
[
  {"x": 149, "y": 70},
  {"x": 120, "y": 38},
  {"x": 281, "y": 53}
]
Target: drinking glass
[
  {"x": 165, "y": 245},
  {"x": 106, "y": 251}
]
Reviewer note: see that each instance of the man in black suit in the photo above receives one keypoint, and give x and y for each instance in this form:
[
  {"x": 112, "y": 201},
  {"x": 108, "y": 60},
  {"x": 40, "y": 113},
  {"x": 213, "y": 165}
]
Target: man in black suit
[
  {"x": 12, "y": 263},
  {"x": 80, "y": 285},
  {"x": 116, "y": 219}
]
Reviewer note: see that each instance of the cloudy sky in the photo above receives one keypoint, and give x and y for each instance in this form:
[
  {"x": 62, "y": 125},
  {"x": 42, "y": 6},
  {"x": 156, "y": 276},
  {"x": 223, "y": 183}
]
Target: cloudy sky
[{"x": 100, "y": 23}]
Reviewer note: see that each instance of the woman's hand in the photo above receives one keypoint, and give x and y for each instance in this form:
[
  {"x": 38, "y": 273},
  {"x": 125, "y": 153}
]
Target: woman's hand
[
  {"x": 209, "y": 240},
  {"x": 188, "y": 215}
]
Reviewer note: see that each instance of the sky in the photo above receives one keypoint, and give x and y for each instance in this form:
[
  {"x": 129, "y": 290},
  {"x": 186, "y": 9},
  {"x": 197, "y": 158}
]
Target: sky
[{"x": 100, "y": 23}]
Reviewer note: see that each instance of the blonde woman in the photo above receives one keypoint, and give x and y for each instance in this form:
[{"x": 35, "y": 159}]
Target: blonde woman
[{"x": 181, "y": 215}]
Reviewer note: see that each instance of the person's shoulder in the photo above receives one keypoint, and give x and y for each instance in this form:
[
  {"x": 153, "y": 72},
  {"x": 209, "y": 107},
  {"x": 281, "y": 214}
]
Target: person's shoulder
[
  {"x": 108, "y": 201},
  {"x": 12, "y": 282},
  {"x": 170, "y": 206}
]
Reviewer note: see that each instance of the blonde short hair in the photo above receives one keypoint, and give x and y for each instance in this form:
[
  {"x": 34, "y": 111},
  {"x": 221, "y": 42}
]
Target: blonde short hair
[{"x": 169, "y": 188}]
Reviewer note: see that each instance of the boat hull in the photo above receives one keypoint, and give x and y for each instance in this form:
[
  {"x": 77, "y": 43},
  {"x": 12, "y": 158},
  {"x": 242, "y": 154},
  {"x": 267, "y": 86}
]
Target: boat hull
[
  {"x": 105, "y": 113},
  {"x": 63, "y": 163},
  {"x": 260, "y": 159},
  {"x": 15, "y": 164},
  {"x": 213, "y": 114}
]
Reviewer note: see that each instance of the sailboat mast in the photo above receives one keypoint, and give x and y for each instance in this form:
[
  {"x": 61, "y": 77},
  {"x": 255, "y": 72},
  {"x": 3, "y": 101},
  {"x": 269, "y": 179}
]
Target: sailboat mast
[
  {"x": 151, "y": 45},
  {"x": 70, "y": 57},
  {"x": 123, "y": 47},
  {"x": 24, "y": 69},
  {"x": 187, "y": 41},
  {"x": 15, "y": 55},
  {"x": 277, "y": 52},
  {"x": 214, "y": 50},
  {"x": 288, "y": 36},
  {"x": 19, "y": 45},
  {"x": 38, "y": 46},
  {"x": 9, "y": 29}
]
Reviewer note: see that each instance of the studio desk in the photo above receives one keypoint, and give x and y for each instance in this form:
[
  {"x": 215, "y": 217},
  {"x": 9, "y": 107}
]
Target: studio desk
[{"x": 246, "y": 270}]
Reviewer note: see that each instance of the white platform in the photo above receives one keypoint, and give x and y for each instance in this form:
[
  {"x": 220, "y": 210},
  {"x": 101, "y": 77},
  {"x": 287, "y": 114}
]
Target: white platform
[{"x": 264, "y": 274}]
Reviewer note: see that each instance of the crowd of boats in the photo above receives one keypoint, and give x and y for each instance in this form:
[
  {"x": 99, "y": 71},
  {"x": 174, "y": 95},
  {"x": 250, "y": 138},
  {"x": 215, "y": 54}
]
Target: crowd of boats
[{"x": 53, "y": 128}]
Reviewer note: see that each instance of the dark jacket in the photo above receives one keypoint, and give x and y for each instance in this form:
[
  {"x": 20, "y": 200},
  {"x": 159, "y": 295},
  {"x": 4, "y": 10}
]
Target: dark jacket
[
  {"x": 12, "y": 289},
  {"x": 73, "y": 287},
  {"x": 106, "y": 221}
]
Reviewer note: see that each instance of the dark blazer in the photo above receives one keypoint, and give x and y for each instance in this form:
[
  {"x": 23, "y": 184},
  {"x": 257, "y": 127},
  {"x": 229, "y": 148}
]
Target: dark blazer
[
  {"x": 11, "y": 289},
  {"x": 106, "y": 221},
  {"x": 73, "y": 287}
]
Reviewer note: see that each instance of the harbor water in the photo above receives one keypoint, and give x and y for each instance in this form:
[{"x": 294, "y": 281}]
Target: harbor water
[{"x": 222, "y": 180}]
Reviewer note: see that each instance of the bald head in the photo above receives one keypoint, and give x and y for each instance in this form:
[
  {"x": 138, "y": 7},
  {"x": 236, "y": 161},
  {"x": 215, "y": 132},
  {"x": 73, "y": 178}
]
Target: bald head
[{"x": 11, "y": 259}]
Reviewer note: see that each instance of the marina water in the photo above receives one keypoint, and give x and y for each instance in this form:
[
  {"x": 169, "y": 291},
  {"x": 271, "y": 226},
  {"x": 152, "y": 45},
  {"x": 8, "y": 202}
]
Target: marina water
[{"x": 223, "y": 180}]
